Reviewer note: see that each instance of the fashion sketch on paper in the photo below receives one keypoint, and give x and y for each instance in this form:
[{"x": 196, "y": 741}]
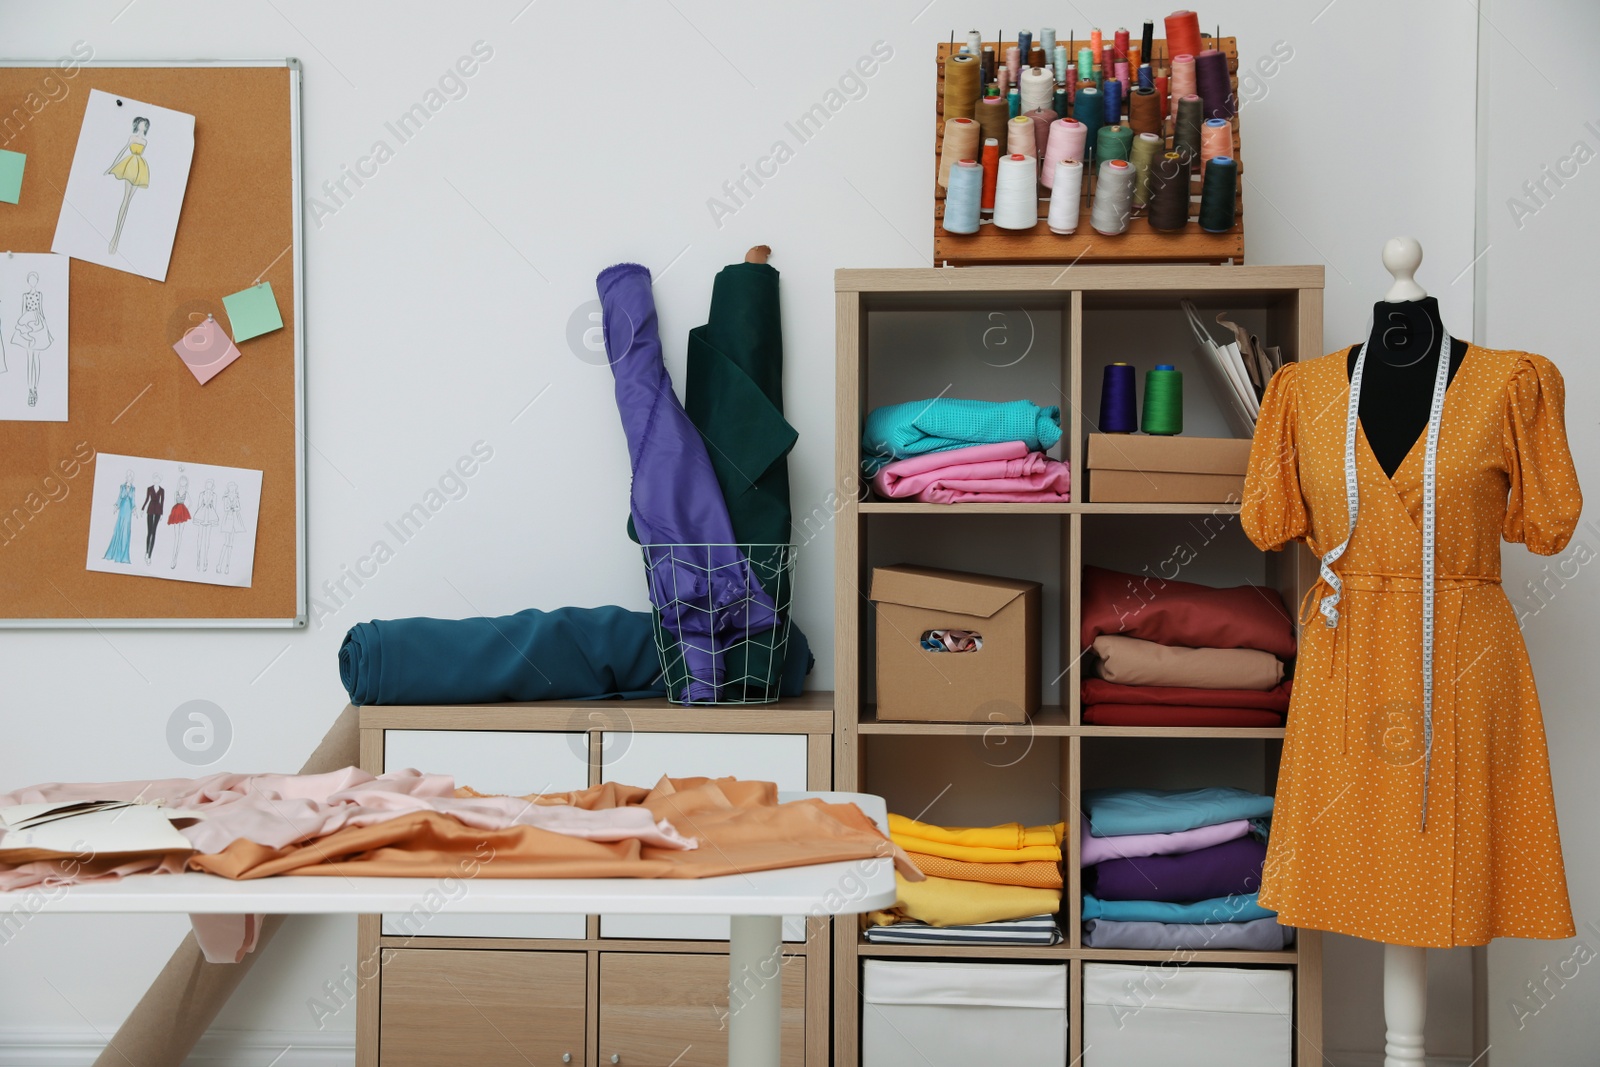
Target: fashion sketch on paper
[
  {"x": 205, "y": 520},
  {"x": 32, "y": 333},
  {"x": 154, "y": 506},
  {"x": 130, "y": 166},
  {"x": 117, "y": 551},
  {"x": 231, "y": 524},
  {"x": 178, "y": 517}
]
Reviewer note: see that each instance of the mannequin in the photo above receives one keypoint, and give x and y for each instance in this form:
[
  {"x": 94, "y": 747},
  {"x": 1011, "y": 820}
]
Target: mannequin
[{"x": 1402, "y": 361}]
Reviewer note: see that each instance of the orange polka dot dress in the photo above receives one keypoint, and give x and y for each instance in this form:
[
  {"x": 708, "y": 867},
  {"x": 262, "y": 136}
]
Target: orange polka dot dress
[{"x": 1348, "y": 850}]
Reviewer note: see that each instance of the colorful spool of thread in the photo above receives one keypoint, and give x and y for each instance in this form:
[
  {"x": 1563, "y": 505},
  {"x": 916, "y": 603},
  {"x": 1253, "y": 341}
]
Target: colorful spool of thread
[
  {"x": 1212, "y": 84},
  {"x": 1066, "y": 196},
  {"x": 1181, "y": 80},
  {"x": 975, "y": 42},
  {"x": 1085, "y": 64},
  {"x": 991, "y": 166},
  {"x": 1089, "y": 110},
  {"x": 1096, "y": 43},
  {"x": 1147, "y": 44},
  {"x": 1113, "y": 197},
  {"x": 1163, "y": 400},
  {"x": 989, "y": 73},
  {"x": 1183, "y": 33},
  {"x": 1186, "y": 133},
  {"x": 1019, "y": 137},
  {"x": 1144, "y": 111},
  {"x": 1163, "y": 83},
  {"x": 961, "y": 77},
  {"x": 962, "y": 199},
  {"x": 1065, "y": 141},
  {"x": 1042, "y": 118},
  {"x": 1061, "y": 61},
  {"x": 1013, "y": 63},
  {"x": 1147, "y": 78},
  {"x": 1119, "y": 43},
  {"x": 1217, "y": 195},
  {"x": 1169, "y": 193},
  {"x": 1002, "y": 81},
  {"x": 1061, "y": 103},
  {"x": 1119, "y": 401},
  {"x": 1111, "y": 93},
  {"x": 1038, "y": 86},
  {"x": 1113, "y": 142},
  {"x": 1013, "y": 103},
  {"x": 1147, "y": 148},
  {"x": 1108, "y": 64},
  {"x": 1216, "y": 139},
  {"x": 960, "y": 142},
  {"x": 1016, "y": 189},
  {"x": 1025, "y": 45},
  {"x": 1071, "y": 84},
  {"x": 992, "y": 118},
  {"x": 1123, "y": 78},
  {"x": 1038, "y": 58},
  {"x": 1047, "y": 41}
]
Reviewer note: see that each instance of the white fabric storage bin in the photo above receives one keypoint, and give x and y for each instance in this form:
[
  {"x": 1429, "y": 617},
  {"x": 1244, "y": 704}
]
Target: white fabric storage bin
[
  {"x": 958, "y": 1014},
  {"x": 1164, "y": 1014}
]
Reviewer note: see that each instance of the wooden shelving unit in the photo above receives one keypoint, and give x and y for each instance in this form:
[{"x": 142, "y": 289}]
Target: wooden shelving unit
[{"x": 899, "y": 338}]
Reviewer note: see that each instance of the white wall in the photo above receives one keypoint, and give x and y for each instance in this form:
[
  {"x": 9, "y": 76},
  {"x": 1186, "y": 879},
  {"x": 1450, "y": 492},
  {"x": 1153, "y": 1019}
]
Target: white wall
[
  {"x": 441, "y": 297},
  {"x": 1540, "y": 263}
]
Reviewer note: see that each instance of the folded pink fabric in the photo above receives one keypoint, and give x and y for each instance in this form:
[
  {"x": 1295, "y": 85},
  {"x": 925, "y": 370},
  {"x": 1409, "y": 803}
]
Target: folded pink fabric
[
  {"x": 999, "y": 473},
  {"x": 1133, "y": 846}
]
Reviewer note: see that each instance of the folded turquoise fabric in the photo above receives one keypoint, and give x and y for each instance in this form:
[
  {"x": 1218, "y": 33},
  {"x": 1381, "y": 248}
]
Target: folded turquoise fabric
[
  {"x": 898, "y": 431},
  {"x": 1113, "y": 812},
  {"x": 1239, "y": 908}
]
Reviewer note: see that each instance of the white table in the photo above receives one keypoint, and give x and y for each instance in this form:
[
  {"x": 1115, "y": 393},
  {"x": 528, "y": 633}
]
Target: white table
[{"x": 755, "y": 904}]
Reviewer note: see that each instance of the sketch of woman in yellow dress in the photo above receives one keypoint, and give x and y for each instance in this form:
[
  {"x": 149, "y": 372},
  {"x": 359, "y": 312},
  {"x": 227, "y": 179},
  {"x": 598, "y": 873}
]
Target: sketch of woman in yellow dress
[{"x": 131, "y": 166}]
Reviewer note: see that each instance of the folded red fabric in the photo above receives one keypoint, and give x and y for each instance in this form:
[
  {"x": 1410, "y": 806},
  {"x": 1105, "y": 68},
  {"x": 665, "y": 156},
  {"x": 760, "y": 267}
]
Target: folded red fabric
[
  {"x": 1183, "y": 613},
  {"x": 1176, "y": 715},
  {"x": 1100, "y": 691}
]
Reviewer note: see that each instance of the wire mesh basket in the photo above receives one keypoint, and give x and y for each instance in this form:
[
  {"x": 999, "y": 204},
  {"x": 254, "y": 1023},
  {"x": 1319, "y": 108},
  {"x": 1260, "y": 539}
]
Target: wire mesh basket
[{"x": 721, "y": 619}]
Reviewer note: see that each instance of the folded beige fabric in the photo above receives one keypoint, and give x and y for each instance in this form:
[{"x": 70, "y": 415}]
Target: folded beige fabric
[{"x": 1130, "y": 661}]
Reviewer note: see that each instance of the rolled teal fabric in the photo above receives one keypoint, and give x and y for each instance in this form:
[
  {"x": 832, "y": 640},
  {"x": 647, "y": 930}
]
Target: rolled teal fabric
[{"x": 565, "y": 654}]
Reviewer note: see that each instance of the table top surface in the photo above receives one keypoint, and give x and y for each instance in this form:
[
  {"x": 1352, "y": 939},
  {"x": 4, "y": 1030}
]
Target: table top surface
[{"x": 846, "y": 888}]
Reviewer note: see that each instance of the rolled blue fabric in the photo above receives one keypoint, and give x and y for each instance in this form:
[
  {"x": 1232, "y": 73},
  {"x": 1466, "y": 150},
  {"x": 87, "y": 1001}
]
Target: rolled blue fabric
[{"x": 565, "y": 654}]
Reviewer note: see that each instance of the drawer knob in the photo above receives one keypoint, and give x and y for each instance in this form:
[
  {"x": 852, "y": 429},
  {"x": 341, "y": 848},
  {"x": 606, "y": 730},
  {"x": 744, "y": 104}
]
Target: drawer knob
[
  {"x": 566, "y": 1057},
  {"x": 615, "y": 1058}
]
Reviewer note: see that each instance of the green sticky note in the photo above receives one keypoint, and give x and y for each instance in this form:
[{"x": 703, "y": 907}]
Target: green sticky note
[
  {"x": 11, "y": 164},
  {"x": 253, "y": 312}
]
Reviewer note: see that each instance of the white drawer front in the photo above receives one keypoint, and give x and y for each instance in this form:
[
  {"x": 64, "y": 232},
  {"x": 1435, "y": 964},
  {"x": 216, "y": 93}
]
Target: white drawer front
[
  {"x": 516, "y": 762},
  {"x": 642, "y": 758}
]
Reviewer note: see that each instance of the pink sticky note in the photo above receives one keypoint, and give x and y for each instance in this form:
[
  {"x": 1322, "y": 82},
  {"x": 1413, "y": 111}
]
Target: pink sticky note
[{"x": 206, "y": 350}]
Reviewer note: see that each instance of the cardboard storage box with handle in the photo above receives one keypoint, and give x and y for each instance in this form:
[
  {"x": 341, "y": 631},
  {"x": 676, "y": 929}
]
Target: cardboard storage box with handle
[
  {"x": 998, "y": 682},
  {"x": 1138, "y": 468}
]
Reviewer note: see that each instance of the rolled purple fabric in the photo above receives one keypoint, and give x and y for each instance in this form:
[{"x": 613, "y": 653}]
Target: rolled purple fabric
[
  {"x": 1218, "y": 871},
  {"x": 708, "y": 596}
]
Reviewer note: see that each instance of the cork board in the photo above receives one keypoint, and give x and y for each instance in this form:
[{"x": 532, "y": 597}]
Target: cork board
[{"x": 129, "y": 393}]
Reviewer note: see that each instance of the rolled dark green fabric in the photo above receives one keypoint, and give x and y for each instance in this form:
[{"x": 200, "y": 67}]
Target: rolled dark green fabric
[{"x": 565, "y": 654}]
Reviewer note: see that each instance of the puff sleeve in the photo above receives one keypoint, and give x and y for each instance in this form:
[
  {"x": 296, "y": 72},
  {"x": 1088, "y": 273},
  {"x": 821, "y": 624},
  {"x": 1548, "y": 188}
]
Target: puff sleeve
[
  {"x": 1543, "y": 505},
  {"x": 1273, "y": 511}
]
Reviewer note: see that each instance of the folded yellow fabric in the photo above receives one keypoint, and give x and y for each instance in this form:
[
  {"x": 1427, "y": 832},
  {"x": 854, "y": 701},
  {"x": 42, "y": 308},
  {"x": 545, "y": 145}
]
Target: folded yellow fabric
[
  {"x": 1007, "y": 835},
  {"x": 948, "y": 902},
  {"x": 1038, "y": 874},
  {"x": 975, "y": 854}
]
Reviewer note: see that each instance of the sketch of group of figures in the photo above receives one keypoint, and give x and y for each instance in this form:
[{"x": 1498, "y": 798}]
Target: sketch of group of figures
[{"x": 208, "y": 517}]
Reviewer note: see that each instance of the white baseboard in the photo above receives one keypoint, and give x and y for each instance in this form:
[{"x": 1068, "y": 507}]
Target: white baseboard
[
  {"x": 38, "y": 1047},
  {"x": 1375, "y": 1059}
]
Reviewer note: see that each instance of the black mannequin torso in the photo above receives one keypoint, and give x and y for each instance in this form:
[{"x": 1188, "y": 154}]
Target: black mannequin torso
[{"x": 1397, "y": 379}]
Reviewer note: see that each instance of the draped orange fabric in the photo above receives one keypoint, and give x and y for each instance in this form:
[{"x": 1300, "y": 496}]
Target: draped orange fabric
[
  {"x": 740, "y": 827},
  {"x": 1348, "y": 852}
]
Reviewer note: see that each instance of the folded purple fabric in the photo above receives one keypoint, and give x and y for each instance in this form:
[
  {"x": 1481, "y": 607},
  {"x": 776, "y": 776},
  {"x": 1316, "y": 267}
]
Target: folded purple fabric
[
  {"x": 1132, "y": 846},
  {"x": 1233, "y": 867}
]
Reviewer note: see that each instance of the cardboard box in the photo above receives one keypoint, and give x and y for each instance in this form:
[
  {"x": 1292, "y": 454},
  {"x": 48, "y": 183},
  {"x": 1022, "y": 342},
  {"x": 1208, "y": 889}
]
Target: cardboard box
[
  {"x": 997, "y": 683},
  {"x": 1140, "y": 468}
]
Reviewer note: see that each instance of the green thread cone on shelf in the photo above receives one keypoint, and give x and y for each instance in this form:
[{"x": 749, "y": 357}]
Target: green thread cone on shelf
[{"x": 1163, "y": 400}]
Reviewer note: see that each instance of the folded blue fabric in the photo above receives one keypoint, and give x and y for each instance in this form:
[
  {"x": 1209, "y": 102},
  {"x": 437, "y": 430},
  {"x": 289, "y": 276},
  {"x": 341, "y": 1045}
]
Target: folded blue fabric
[
  {"x": 1115, "y": 812},
  {"x": 897, "y": 431},
  {"x": 1259, "y": 935},
  {"x": 1239, "y": 908}
]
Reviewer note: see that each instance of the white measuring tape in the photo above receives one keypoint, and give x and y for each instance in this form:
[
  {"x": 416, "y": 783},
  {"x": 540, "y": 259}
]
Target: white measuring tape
[{"x": 1329, "y": 605}]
